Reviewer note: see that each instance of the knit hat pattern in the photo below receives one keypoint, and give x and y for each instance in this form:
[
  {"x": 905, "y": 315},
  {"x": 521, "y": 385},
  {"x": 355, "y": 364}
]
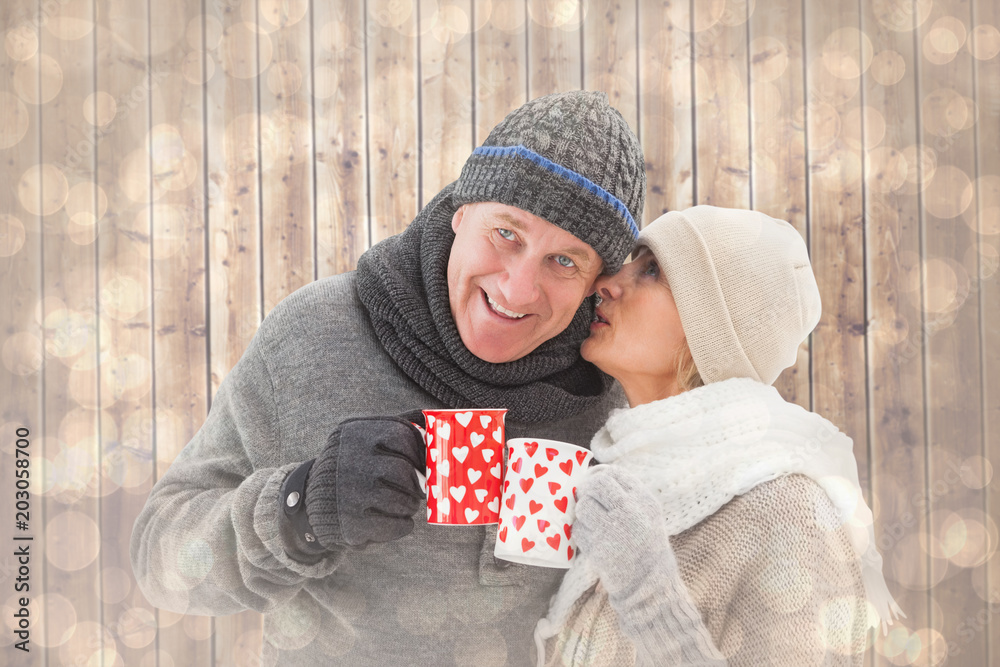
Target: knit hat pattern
[
  {"x": 571, "y": 159},
  {"x": 743, "y": 285}
]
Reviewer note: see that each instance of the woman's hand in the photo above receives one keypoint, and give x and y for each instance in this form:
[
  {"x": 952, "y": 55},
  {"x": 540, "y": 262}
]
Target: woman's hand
[{"x": 619, "y": 528}]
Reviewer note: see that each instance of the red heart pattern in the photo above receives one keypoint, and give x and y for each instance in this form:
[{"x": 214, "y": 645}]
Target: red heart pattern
[
  {"x": 548, "y": 537},
  {"x": 463, "y": 489}
]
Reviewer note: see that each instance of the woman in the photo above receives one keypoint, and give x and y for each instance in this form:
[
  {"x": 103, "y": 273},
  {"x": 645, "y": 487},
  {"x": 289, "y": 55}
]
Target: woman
[{"x": 727, "y": 523}]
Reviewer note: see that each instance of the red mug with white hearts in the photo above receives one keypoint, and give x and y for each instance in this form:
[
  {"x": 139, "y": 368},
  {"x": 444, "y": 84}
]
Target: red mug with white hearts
[
  {"x": 539, "y": 502},
  {"x": 464, "y": 465}
]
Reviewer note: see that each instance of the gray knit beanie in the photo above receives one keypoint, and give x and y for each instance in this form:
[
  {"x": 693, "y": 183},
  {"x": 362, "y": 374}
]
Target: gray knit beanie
[
  {"x": 569, "y": 158},
  {"x": 743, "y": 285}
]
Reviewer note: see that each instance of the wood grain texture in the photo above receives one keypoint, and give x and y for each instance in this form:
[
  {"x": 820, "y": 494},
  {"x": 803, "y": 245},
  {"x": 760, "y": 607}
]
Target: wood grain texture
[
  {"x": 721, "y": 123},
  {"x": 445, "y": 96},
  {"x": 71, "y": 332},
  {"x": 500, "y": 67},
  {"x": 393, "y": 115},
  {"x": 125, "y": 279},
  {"x": 22, "y": 367},
  {"x": 286, "y": 149},
  {"x": 983, "y": 43},
  {"x": 666, "y": 106},
  {"x": 895, "y": 339},
  {"x": 340, "y": 135},
  {"x": 836, "y": 221},
  {"x": 778, "y": 169},
  {"x": 555, "y": 29},
  {"x": 609, "y": 55},
  {"x": 233, "y": 166},
  {"x": 180, "y": 311},
  {"x": 952, "y": 322}
]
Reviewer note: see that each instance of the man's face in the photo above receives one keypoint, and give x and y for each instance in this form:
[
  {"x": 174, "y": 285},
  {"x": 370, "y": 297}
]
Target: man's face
[{"x": 514, "y": 280}]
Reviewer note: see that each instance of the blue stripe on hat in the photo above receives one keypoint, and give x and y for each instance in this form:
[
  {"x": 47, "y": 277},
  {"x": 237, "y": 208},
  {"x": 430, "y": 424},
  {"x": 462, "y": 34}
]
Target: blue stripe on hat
[{"x": 568, "y": 174}]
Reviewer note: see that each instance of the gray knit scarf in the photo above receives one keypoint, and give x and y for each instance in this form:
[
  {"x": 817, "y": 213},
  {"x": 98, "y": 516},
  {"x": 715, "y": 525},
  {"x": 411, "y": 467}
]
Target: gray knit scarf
[{"x": 403, "y": 283}]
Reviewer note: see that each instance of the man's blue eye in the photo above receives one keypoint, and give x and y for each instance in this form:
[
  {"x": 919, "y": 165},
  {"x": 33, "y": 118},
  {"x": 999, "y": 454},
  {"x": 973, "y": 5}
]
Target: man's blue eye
[
  {"x": 565, "y": 261},
  {"x": 506, "y": 233},
  {"x": 652, "y": 269}
]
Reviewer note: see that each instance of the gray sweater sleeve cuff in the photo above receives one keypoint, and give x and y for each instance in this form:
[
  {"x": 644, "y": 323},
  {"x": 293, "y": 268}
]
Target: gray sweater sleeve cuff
[{"x": 278, "y": 535}]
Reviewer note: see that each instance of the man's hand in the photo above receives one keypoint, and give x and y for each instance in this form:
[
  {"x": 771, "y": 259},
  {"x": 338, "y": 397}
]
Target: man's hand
[{"x": 362, "y": 487}]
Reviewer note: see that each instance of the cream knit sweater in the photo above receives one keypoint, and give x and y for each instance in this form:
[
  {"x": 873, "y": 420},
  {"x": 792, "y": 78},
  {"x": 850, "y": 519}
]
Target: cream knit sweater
[
  {"x": 771, "y": 573},
  {"x": 772, "y": 537}
]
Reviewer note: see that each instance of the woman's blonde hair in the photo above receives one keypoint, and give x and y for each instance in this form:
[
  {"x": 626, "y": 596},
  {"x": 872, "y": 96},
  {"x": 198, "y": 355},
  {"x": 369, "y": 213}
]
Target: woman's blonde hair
[{"x": 688, "y": 376}]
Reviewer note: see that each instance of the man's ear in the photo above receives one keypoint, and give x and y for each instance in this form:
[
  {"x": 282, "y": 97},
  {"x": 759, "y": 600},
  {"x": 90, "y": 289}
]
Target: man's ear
[{"x": 456, "y": 219}]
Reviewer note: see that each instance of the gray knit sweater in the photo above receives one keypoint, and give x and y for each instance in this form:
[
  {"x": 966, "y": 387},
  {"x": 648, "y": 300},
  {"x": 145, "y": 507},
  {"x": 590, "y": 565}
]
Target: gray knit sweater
[{"x": 209, "y": 540}]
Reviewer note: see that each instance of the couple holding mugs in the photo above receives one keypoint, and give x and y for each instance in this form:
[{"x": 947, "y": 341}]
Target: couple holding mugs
[{"x": 721, "y": 524}]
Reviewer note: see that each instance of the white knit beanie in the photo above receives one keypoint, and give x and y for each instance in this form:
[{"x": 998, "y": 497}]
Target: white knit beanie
[{"x": 743, "y": 285}]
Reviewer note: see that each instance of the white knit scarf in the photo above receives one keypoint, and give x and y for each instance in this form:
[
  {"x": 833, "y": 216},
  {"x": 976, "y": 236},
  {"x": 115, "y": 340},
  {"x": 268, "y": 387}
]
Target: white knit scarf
[{"x": 699, "y": 449}]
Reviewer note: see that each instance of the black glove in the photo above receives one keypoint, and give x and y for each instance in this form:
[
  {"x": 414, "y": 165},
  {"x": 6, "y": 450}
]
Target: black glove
[{"x": 362, "y": 487}]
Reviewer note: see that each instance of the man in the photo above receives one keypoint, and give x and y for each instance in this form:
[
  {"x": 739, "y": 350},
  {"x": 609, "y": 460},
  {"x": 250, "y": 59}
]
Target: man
[{"x": 292, "y": 499}]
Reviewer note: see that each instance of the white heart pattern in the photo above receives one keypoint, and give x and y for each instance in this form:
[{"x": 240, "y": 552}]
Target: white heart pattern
[
  {"x": 430, "y": 439},
  {"x": 444, "y": 469},
  {"x": 430, "y": 420},
  {"x": 460, "y": 453},
  {"x": 428, "y": 513},
  {"x": 496, "y": 435},
  {"x": 470, "y": 514},
  {"x": 444, "y": 507},
  {"x": 480, "y": 494},
  {"x": 487, "y": 454},
  {"x": 457, "y": 492},
  {"x": 494, "y": 505},
  {"x": 434, "y": 454},
  {"x": 485, "y": 420},
  {"x": 464, "y": 418},
  {"x": 476, "y": 439},
  {"x": 444, "y": 431},
  {"x": 495, "y": 471},
  {"x": 474, "y": 475}
]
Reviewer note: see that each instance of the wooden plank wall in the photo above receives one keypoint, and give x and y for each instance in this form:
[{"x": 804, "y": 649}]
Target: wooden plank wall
[{"x": 202, "y": 159}]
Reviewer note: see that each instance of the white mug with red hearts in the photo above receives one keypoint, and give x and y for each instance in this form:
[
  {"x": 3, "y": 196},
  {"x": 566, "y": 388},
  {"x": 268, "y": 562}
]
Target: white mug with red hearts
[{"x": 539, "y": 502}]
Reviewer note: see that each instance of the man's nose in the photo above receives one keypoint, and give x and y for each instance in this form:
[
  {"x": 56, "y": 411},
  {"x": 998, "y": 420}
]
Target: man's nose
[{"x": 519, "y": 283}]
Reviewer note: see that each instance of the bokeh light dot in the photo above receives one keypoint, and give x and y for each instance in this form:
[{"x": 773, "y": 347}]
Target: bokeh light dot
[
  {"x": 114, "y": 585},
  {"x": 847, "y": 53},
  {"x": 947, "y": 34},
  {"x": 86, "y": 203},
  {"x": 137, "y": 627},
  {"x": 199, "y": 628},
  {"x": 43, "y": 189},
  {"x": 14, "y": 125},
  {"x": 21, "y": 43},
  {"x": 555, "y": 13},
  {"x": 325, "y": 83},
  {"x": 507, "y": 15},
  {"x": 99, "y": 108},
  {"x": 888, "y": 67},
  {"x": 283, "y": 13},
  {"x": 38, "y": 80},
  {"x": 73, "y": 540},
  {"x": 73, "y": 19},
  {"x": 902, "y": 15},
  {"x": 21, "y": 353},
  {"x": 984, "y": 42},
  {"x": 12, "y": 235},
  {"x": 60, "y": 619},
  {"x": 934, "y": 55},
  {"x": 949, "y": 193}
]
